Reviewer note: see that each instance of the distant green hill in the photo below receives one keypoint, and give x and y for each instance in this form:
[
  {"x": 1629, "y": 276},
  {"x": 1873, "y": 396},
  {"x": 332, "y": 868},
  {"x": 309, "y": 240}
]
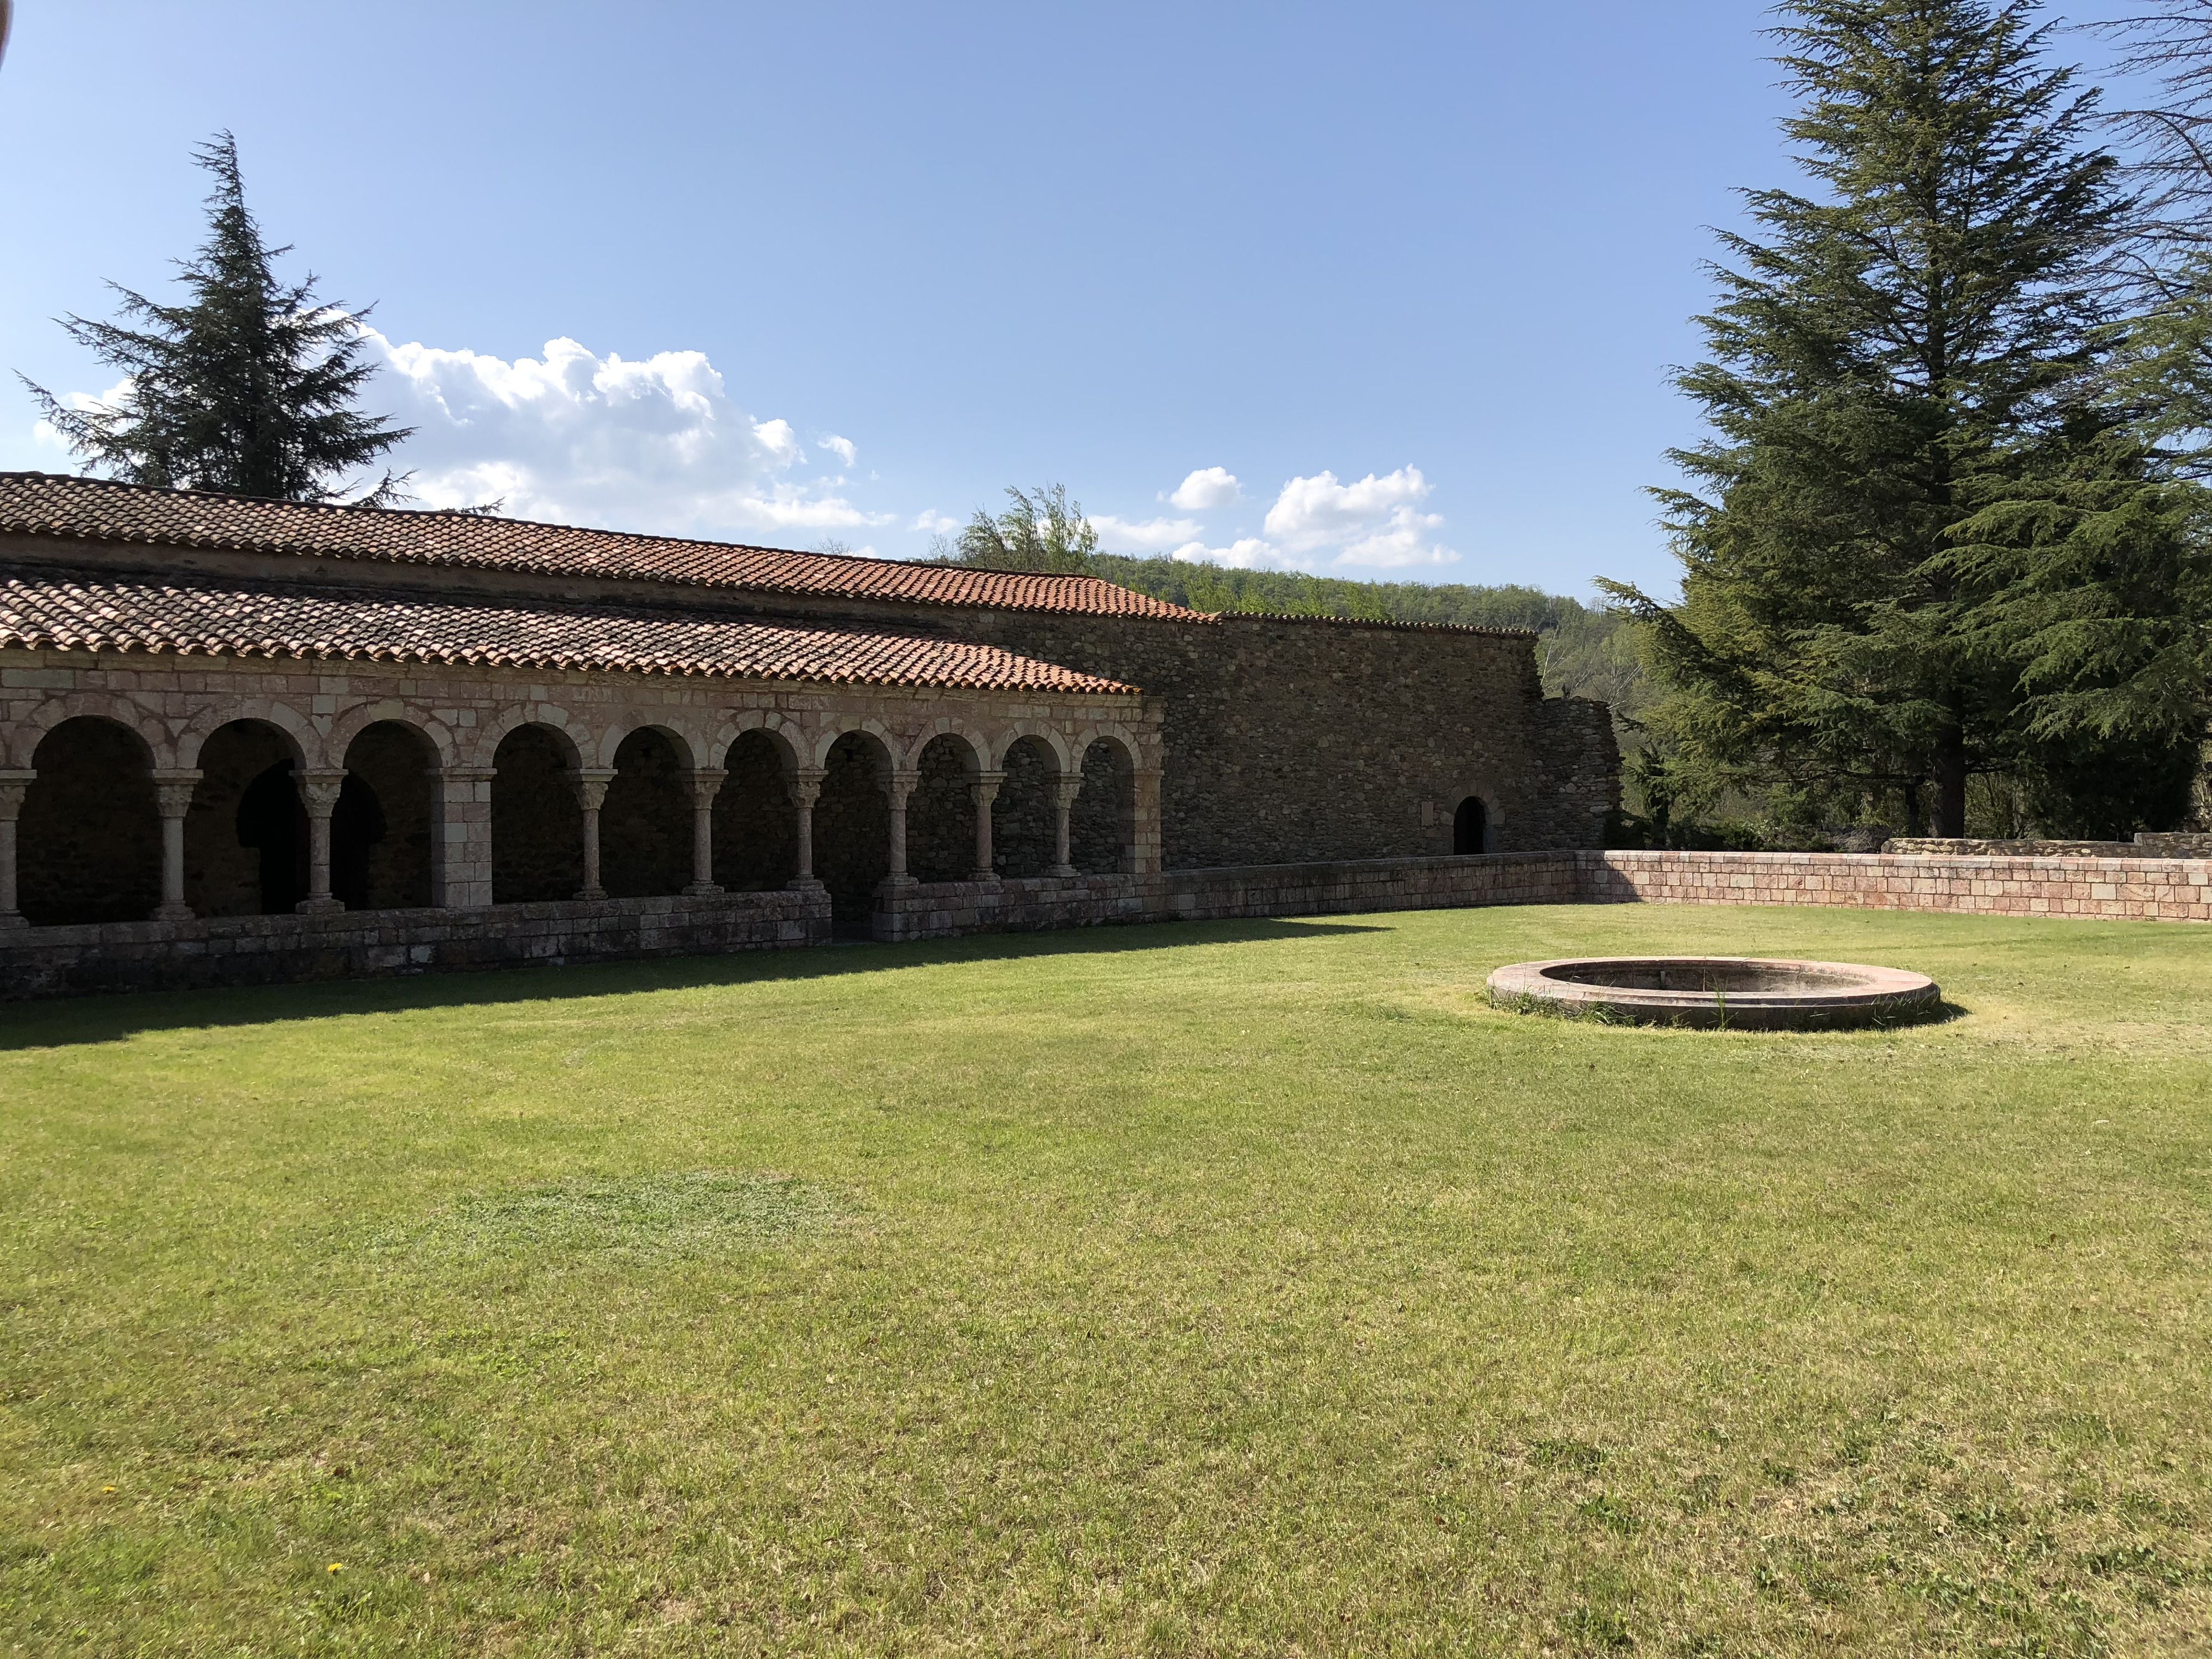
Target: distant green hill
[{"x": 1585, "y": 652}]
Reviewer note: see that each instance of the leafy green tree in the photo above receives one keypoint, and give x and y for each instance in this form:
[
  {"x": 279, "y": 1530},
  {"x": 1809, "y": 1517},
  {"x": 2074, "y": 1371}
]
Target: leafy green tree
[
  {"x": 248, "y": 386},
  {"x": 1891, "y": 355},
  {"x": 1042, "y": 532}
]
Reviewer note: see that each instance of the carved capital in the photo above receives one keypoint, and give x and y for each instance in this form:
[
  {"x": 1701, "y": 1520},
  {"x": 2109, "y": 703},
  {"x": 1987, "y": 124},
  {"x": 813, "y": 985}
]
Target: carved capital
[
  {"x": 903, "y": 785},
  {"x": 983, "y": 787},
  {"x": 14, "y": 785},
  {"x": 806, "y": 785},
  {"x": 706, "y": 784},
  {"x": 319, "y": 792},
  {"x": 1069, "y": 788},
  {"x": 590, "y": 784}
]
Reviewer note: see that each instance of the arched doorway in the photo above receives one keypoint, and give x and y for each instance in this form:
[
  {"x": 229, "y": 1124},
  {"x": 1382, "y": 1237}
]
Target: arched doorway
[
  {"x": 1471, "y": 826},
  {"x": 536, "y": 821},
  {"x": 1102, "y": 825},
  {"x": 1025, "y": 818},
  {"x": 852, "y": 831},
  {"x": 89, "y": 840},
  {"x": 380, "y": 830},
  {"x": 644, "y": 827},
  {"x": 940, "y": 814},
  {"x": 246, "y": 836},
  {"x": 755, "y": 820}
]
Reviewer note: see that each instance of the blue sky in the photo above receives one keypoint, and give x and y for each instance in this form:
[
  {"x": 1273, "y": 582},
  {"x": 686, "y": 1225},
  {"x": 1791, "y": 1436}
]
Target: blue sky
[{"x": 1377, "y": 290}]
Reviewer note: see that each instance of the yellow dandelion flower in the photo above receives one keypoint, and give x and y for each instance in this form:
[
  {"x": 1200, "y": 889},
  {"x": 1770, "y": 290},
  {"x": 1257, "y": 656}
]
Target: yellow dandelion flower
[{"x": 337, "y": 1566}]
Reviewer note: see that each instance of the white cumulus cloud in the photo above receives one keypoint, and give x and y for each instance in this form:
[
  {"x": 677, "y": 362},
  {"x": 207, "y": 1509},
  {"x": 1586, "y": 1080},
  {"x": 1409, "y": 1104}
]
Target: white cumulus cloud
[
  {"x": 935, "y": 523},
  {"x": 1205, "y": 490},
  {"x": 582, "y": 439},
  {"x": 843, "y": 448},
  {"x": 1141, "y": 536},
  {"x": 1376, "y": 522}
]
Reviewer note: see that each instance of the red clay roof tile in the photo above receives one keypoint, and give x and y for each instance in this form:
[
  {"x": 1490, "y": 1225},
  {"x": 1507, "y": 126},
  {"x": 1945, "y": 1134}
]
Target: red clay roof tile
[
  {"x": 92, "y": 613},
  {"x": 96, "y": 509}
]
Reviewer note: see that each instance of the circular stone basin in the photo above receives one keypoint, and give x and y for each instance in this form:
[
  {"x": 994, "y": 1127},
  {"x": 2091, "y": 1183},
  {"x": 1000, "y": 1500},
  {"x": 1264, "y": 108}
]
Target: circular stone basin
[{"x": 1745, "y": 992}]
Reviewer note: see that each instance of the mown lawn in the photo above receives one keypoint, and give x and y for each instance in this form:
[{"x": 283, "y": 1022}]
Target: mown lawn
[{"x": 1236, "y": 1289}]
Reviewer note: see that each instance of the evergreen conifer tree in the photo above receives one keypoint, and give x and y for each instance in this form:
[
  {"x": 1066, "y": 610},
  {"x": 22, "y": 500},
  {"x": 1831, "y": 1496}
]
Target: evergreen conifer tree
[
  {"x": 248, "y": 386},
  {"x": 1893, "y": 354}
]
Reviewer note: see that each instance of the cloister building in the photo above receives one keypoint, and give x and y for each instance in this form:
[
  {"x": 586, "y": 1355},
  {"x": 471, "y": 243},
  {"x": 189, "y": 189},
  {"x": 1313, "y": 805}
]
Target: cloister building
[{"x": 245, "y": 740}]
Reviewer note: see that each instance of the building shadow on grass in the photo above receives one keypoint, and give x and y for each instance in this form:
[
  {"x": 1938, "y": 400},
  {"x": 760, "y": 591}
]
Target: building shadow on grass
[{"x": 106, "y": 1018}]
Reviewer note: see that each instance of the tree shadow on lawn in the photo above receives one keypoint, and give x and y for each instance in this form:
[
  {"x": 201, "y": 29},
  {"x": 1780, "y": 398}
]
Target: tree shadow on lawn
[{"x": 106, "y": 1018}]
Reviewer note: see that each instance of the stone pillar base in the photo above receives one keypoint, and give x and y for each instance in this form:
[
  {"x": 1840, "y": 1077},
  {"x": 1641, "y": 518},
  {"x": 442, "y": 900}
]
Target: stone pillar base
[
  {"x": 805, "y": 884},
  {"x": 319, "y": 907},
  {"x": 704, "y": 889},
  {"x": 589, "y": 894},
  {"x": 1062, "y": 871},
  {"x": 164, "y": 912},
  {"x": 13, "y": 919}
]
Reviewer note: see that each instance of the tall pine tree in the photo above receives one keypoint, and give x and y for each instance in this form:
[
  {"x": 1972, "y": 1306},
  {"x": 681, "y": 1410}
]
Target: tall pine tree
[
  {"x": 1891, "y": 353},
  {"x": 248, "y": 386}
]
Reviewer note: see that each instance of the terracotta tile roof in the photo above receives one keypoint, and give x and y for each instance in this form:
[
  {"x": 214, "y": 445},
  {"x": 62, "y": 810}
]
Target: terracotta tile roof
[
  {"x": 93, "y": 509},
  {"x": 89, "y": 612}
]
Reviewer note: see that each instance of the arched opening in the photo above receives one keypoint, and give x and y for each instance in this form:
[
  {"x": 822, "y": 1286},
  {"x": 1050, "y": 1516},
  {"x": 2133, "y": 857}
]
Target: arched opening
[
  {"x": 1102, "y": 825},
  {"x": 246, "y": 836},
  {"x": 1025, "y": 818},
  {"x": 940, "y": 813},
  {"x": 644, "y": 827},
  {"x": 380, "y": 830},
  {"x": 89, "y": 840},
  {"x": 852, "y": 831},
  {"x": 755, "y": 820},
  {"x": 1471, "y": 826},
  {"x": 536, "y": 822}
]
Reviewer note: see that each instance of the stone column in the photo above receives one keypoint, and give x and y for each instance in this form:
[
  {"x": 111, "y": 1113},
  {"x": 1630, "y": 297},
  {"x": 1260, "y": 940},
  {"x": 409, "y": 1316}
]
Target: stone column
[
  {"x": 173, "y": 794},
  {"x": 591, "y": 783},
  {"x": 14, "y": 785},
  {"x": 461, "y": 856},
  {"x": 806, "y": 790},
  {"x": 706, "y": 784},
  {"x": 903, "y": 785},
  {"x": 1063, "y": 794},
  {"x": 983, "y": 790},
  {"x": 318, "y": 793}
]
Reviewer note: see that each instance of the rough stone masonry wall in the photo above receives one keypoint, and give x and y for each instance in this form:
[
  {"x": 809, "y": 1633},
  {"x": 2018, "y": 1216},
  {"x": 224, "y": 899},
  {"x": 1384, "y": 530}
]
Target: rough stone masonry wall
[
  {"x": 2109, "y": 890},
  {"x": 275, "y": 950},
  {"x": 1292, "y": 739}
]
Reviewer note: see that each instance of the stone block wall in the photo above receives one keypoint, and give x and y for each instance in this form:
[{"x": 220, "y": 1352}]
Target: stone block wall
[
  {"x": 289, "y": 949},
  {"x": 1294, "y": 738},
  {"x": 2096, "y": 889}
]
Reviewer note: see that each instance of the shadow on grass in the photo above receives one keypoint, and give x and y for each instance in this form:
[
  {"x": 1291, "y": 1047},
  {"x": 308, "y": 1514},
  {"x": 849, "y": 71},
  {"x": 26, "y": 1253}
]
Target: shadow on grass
[{"x": 105, "y": 1019}]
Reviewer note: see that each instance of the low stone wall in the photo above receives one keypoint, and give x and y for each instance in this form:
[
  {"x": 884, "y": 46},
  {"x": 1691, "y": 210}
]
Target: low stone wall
[
  {"x": 2178, "y": 844},
  {"x": 38, "y": 962},
  {"x": 945, "y": 910},
  {"x": 2102, "y": 889},
  {"x": 153, "y": 956}
]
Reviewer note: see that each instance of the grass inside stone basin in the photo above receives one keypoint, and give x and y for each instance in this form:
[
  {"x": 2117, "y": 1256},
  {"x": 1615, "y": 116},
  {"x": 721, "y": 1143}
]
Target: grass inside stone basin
[{"x": 1228, "y": 1289}]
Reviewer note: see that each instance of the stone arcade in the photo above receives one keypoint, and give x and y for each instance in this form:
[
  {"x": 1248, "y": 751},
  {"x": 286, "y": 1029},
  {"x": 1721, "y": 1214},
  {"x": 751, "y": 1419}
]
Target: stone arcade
[{"x": 245, "y": 740}]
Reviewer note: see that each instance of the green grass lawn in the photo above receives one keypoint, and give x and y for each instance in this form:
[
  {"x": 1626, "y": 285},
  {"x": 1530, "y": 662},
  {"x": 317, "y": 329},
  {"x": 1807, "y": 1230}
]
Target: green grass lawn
[{"x": 1233, "y": 1289}]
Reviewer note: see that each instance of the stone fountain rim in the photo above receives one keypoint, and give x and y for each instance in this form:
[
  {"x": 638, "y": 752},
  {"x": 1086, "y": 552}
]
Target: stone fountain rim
[{"x": 1860, "y": 988}]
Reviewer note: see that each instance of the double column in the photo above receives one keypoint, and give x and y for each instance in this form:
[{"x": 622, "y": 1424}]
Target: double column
[
  {"x": 318, "y": 793},
  {"x": 806, "y": 790},
  {"x": 1064, "y": 790},
  {"x": 706, "y": 784},
  {"x": 173, "y": 797},
  {"x": 983, "y": 790},
  {"x": 591, "y": 783},
  {"x": 902, "y": 788}
]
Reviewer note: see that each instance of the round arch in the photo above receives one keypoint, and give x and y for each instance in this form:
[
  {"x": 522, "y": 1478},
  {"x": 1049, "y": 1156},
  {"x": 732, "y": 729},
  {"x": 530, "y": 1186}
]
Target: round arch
[
  {"x": 88, "y": 839},
  {"x": 30, "y": 731},
  {"x": 302, "y": 744}
]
